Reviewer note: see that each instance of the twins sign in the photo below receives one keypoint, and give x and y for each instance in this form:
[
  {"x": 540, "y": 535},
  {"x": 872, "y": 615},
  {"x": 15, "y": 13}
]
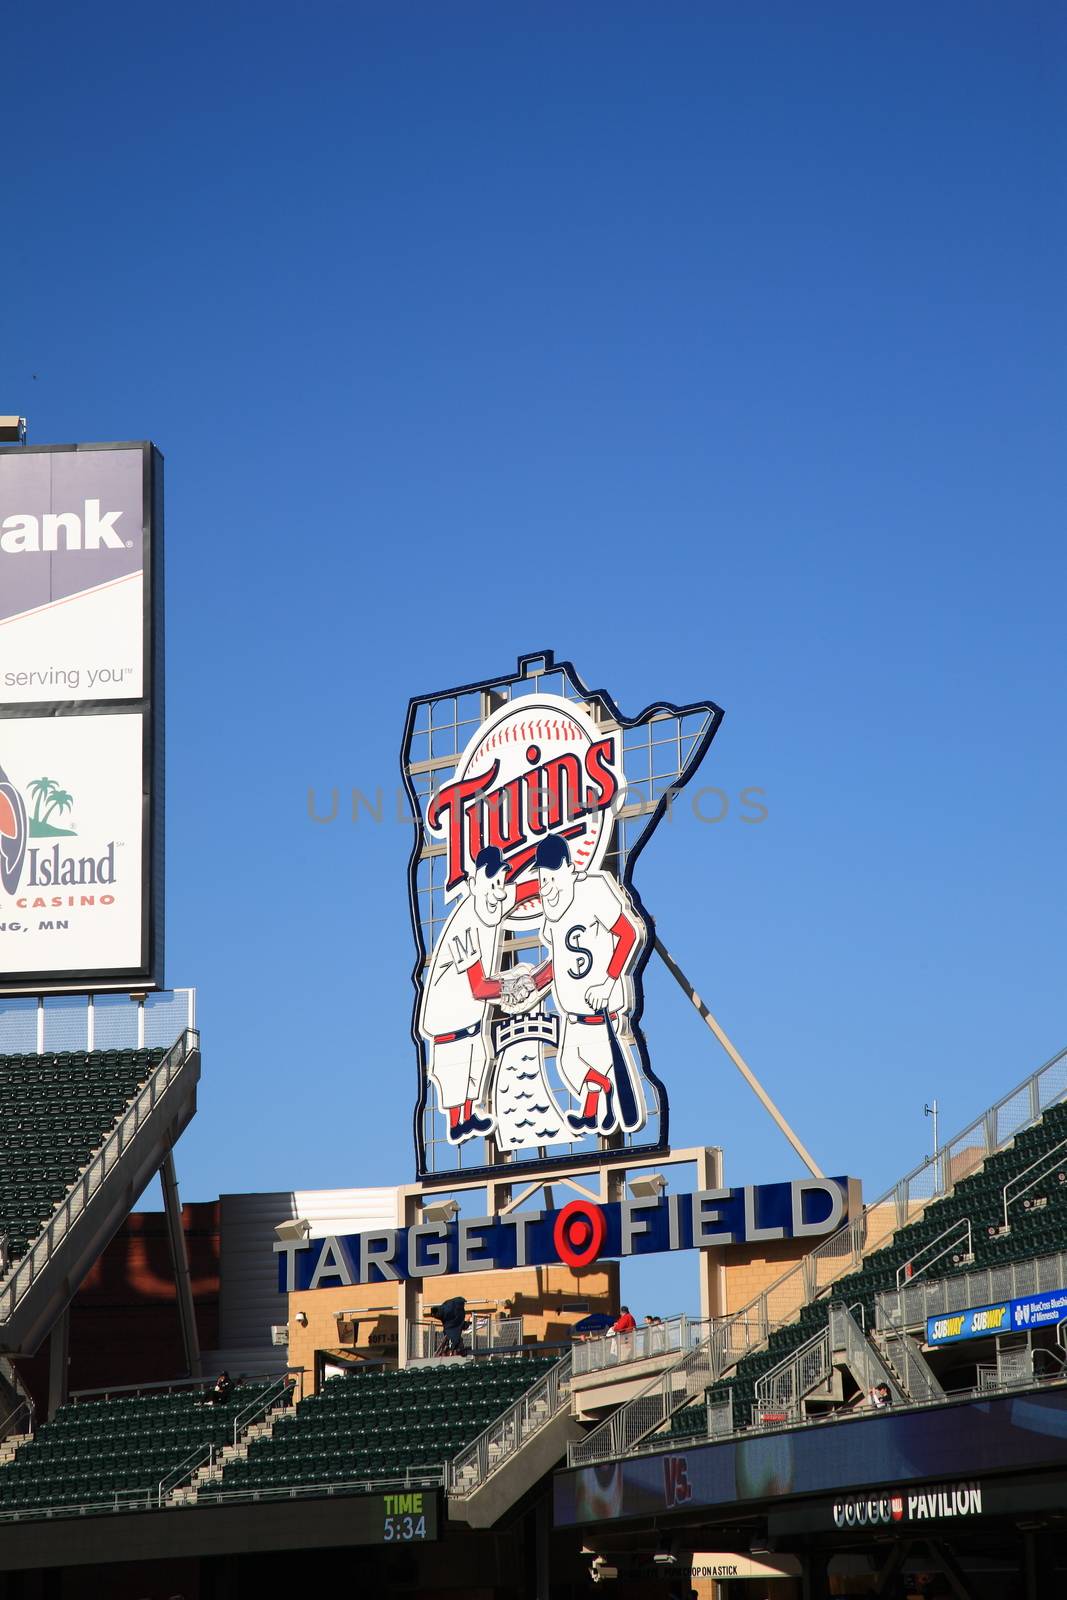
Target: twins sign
[{"x": 533, "y": 798}]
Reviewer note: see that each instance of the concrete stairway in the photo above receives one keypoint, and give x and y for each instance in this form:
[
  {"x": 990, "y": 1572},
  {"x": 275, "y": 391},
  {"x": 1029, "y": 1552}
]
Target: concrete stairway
[
  {"x": 209, "y": 1475},
  {"x": 11, "y": 1444}
]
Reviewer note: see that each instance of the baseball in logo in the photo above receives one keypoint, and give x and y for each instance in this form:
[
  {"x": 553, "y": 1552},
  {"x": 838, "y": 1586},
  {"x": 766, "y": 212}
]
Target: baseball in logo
[
  {"x": 13, "y": 833},
  {"x": 537, "y": 767}
]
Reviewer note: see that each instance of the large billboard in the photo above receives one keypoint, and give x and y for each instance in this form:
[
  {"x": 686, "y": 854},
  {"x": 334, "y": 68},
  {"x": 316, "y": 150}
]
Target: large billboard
[
  {"x": 532, "y": 798},
  {"x": 81, "y": 718}
]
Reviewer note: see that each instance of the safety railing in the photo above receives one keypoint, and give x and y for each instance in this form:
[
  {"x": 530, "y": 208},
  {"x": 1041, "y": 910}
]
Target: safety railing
[
  {"x": 910, "y": 1306},
  {"x": 21, "y": 1420},
  {"x": 487, "y": 1335},
  {"x": 1038, "y": 1170},
  {"x": 782, "y": 1389},
  {"x": 720, "y": 1414},
  {"x": 185, "y": 1471},
  {"x": 836, "y": 1256},
  {"x": 649, "y": 1409},
  {"x": 950, "y": 1239},
  {"x": 505, "y": 1437},
  {"x": 21, "y": 1276},
  {"x": 849, "y": 1337},
  {"x": 257, "y": 1409},
  {"x": 671, "y": 1336},
  {"x": 905, "y": 1358},
  {"x": 432, "y": 1476},
  {"x": 40, "y": 1024}
]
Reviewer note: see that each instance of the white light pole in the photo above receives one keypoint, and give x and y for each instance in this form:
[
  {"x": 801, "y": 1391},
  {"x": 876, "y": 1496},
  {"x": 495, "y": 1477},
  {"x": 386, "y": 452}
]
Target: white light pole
[{"x": 931, "y": 1111}]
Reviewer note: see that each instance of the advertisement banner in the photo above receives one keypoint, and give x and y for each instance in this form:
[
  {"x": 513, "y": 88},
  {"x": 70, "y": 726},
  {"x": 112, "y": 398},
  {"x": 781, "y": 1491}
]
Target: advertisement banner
[
  {"x": 81, "y": 718},
  {"x": 71, "y": 845},
  {"x": 1043, "y": 1310},
  {"x": 75, "y": 601}
]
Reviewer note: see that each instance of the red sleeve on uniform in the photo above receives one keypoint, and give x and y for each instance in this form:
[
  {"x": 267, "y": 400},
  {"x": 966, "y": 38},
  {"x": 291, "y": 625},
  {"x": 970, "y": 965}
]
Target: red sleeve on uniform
[
  {"x": 543, "y": 976},
  {"x": 625, "y": 939},
  {"x": 482, "y": 988}
]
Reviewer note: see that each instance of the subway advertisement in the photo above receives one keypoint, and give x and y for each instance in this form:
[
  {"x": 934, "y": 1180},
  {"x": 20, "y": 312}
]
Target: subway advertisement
[{"x": 81, "y": 842}]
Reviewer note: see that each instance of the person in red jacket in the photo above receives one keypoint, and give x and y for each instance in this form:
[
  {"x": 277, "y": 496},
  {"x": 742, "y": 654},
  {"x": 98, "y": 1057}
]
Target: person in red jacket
[{"x": 624, "y": 1323}]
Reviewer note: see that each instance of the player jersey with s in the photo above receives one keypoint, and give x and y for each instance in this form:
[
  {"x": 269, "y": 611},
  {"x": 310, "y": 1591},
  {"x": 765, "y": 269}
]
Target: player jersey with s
[{"x": 582, "y": 945}]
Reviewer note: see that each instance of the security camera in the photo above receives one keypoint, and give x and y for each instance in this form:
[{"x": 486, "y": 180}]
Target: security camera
[{"x": 600, "y": 1572}]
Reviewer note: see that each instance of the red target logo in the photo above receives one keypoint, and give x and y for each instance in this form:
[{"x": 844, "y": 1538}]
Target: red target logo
[{"x": 579, "y": 1233}]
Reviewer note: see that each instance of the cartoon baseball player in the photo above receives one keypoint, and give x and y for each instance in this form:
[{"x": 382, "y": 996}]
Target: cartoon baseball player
[
  {"x": 459, "y": 986},
  {"x": 594, "y": 936}
]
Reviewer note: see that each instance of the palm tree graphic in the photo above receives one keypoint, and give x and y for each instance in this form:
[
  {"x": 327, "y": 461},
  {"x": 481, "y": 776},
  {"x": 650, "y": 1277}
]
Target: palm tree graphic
[
  {"x": 48, "y": 794},
  {"x": 41, "y": 788}
]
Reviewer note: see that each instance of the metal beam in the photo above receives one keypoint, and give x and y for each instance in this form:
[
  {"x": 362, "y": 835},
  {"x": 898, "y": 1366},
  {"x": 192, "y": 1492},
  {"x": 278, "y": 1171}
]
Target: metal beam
[
  {"x": 735, "y": 1056},
  {"x": 58, "y": 1362},
  {"x": 183, "y": 1285}
]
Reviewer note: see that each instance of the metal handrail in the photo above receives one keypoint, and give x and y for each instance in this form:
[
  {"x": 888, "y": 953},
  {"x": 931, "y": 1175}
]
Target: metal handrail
[
  {"x": 851, "y": 1337},
  {"x": 988, "y": 1384},
  {"x": 649, "y": 1409},
  {"x": 432, "y": 1476},
  {"x": 114, "y": 1390},
  {"x": 910, "y": 1306},
  {"x": 672, "y": 1336},
  {"x": 505, "y": 1436},
  {"x": 918, "y": 1375},
  {"x": 7, "y": 1424},
  {"x": 1050, "y": 1156},
  {"x": 22, "y": 1274},
  {"x": 960, "y": 1230},
  {"x": 487, "y": 1334},
  {"x": 186, "y": 1469},
  {"x": 788, "y": 1382},
  {"x": 257, "y": 1409}
]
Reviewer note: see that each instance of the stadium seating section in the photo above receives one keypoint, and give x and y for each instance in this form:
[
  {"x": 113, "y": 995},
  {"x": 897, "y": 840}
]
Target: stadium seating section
[
  {"x": 377, "y": 1424},
  {"x": 94, "y": 1451},
  {"x": 1034, "y": 1230},
  {"x": 55, "y": 1110}
]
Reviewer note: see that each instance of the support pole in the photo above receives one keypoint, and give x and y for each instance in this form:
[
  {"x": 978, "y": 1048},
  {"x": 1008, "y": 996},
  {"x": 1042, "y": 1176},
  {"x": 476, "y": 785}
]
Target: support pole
[
  {"x": 58, "y": 1366},
  {"x": 183, "y": 1285},
  {"x": 742, "y": 1066},
  {"x": 712, "y": 1259}
]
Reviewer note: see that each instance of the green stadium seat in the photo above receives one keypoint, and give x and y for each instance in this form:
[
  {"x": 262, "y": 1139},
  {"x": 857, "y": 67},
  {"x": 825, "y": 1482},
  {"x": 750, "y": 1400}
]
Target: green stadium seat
[{"x": 55, "y": 1110}]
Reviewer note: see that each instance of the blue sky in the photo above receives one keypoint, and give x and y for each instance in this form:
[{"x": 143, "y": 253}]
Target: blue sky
[{"x": 719, "y": 348}]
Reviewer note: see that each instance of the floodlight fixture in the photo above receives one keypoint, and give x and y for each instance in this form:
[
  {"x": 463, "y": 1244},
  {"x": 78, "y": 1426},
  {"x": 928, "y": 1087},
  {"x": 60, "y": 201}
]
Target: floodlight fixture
[
  {"x": 650, "y": 1187},
  {"x": 441, "y": 1211},
  {"x": 294, "y": 1228}
]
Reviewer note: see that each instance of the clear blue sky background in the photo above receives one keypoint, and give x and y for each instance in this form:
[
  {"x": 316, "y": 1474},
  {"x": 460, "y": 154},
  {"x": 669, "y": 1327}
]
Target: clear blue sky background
[{"x": 719, "y": 347}]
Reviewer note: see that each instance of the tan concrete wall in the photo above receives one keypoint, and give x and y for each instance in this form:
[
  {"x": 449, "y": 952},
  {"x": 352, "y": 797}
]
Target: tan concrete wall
[{"x": 538, "y": 1295}]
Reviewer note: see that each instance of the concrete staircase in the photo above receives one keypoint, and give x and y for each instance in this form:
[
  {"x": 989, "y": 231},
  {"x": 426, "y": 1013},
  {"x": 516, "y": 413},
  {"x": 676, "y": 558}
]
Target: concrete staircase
[
  {"x": 209, "y": 1475},
  {"x": 528, "y": 1440},
  {"x": 904, "y": 1357},
  {"x": 9, "y": 1445}
]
